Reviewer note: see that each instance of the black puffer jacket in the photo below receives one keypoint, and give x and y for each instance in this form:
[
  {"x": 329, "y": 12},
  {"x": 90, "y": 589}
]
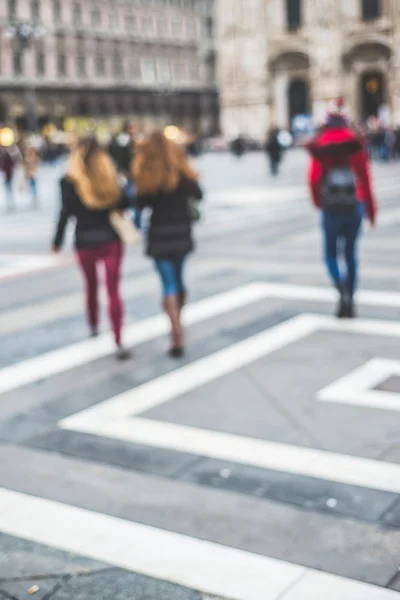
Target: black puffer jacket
[{"x": 170, "y": 231}]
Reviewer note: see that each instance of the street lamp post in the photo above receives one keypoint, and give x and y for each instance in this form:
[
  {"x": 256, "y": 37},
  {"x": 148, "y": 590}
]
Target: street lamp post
[{"x": 22, "y": 36}]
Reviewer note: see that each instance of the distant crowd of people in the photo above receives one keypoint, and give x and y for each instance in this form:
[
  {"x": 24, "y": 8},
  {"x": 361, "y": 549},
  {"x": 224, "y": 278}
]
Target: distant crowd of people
[{"x": 105, "y": 190}]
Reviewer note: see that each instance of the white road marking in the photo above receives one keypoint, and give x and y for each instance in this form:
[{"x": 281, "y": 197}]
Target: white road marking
[
  {"x": 357, "y": 387},
  {"x": 14, "y": 266},
  {"x": 196, "y": 564},
  {"x": 75, "y": 355},
  {"x": 19, "y": 319},
  {"x": 64, "y": 359},
  {"x": 113, "y": 418}
]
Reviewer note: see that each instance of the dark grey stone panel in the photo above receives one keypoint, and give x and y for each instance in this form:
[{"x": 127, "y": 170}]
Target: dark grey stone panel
[
  {"x": 136, "y": 457},
  {"x": 305, "y": 492}
]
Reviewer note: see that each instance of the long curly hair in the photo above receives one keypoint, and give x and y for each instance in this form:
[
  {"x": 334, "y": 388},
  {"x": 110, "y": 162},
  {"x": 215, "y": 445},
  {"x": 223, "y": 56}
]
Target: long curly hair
[
  {"x": 94, "y": 176},
  {"x": 159, "y": 165}
]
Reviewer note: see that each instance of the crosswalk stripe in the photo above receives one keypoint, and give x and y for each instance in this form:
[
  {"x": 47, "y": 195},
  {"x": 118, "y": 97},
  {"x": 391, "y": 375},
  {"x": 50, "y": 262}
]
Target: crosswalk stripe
[
  {"x": 196, "y": 564},
  {"x": 75, "y": 355},
  {"x": 48, "y": 311},
  {"x": 113, "y": 418},
  {"x": 64, "y": 359}
]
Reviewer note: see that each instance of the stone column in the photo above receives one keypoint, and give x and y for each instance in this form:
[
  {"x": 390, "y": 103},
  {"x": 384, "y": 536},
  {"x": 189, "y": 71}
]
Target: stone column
[{"x": 326, "y": 56}]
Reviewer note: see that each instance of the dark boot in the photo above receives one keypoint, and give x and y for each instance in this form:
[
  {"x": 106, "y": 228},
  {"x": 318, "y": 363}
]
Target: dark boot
[
  {"x": 343, "y": 304},
  {"x": 350, "y": 311}
]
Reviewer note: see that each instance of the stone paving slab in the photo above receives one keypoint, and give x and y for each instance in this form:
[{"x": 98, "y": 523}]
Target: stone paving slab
[
  {"x": 25, "y": 560},
  {"x": 120, "y": 585},
  {"x": 343, "y": 546}
]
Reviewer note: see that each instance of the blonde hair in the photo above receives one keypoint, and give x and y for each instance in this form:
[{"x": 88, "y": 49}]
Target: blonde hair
[
  {"x": 94, "y": 176},
  {"x": 159, "y": 165}
]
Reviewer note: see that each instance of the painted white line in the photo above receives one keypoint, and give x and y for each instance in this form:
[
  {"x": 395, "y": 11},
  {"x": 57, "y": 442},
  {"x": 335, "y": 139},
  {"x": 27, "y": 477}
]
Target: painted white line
[
  {"x": 356, "y": 388},
  {"x": 64, "y": 359},
  {"x": 189, "y": 377},
  {"x": 16, "y": 267},
  {"x": 307, "y": 462},
  {"x": 75, "y": 355},
  {"x": 113, "y": 418},
  {"x": 18, "y": 319},
  {"x": 320, "y": 586},
  {"x": 196, "y": 564}
]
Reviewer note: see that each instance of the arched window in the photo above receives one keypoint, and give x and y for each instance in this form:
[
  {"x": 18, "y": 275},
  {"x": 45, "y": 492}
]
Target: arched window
[
  {"x": 293, "y": 14},
  {"x": 371, "y": 9}
]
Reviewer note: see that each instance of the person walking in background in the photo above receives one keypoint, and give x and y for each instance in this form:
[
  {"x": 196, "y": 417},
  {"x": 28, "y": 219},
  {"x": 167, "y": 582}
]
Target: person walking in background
[
  {"x": 90, "y": 193},
  {"x": 274, "y": 151},
  {"x": 9, "y": 158},
  {"x": 122, "y": 151},
  {"x": 166, "y": 183},
  {"x": 340, "y": 186},
  {"x": 31, "y": 162}
]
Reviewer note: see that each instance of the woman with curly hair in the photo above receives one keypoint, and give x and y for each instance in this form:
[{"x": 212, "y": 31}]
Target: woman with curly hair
[
  {"x": 166, "y": 183},
  {"x": 90, "y": 192}
]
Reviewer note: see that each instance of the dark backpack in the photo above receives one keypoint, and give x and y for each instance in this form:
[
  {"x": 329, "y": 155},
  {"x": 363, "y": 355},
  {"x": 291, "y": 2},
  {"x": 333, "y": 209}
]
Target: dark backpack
[{"x": 339, "y": 191}]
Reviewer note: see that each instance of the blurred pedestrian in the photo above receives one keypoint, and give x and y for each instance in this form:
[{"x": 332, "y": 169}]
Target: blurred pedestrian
[
  {"x": 341, "y": 187},
  {"x": 238, "y": 146},
  {"x": 9, "y": 159},
  {"x": 166, "y": 183},
  {"x": 31, "y": 162},
  {"x": 274, "y": 151},
  {"x": 122, "y": 151},
  {"x": 91, "y": 193}
]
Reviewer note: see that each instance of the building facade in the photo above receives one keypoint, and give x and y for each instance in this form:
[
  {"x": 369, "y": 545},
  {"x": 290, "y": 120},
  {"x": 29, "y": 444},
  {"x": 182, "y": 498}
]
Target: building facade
[
  {"x": 149, "y": 60},
  {"x": 282, "y": 58}
]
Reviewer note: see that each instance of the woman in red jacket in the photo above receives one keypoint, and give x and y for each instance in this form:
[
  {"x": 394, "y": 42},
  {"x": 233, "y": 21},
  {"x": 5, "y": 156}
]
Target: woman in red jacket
[{"x": 340, "y": 186}]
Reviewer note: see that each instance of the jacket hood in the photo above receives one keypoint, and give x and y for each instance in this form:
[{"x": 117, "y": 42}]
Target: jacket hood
[
  {"x": 335, "y": 142},
  {"x": 96, "y": 183}
]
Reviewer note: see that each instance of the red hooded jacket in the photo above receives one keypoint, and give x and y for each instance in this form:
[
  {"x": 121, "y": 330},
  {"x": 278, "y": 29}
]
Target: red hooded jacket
[{"x": 335, "y": 146}]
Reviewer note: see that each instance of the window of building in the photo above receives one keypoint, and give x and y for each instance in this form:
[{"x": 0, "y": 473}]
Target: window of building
[
  {"x": 35, "y": 10},
  {"x": 61, "y": 64},
  {"x": 176, "y": 28},
  {"x": 77, "y": 14},
  {"x": 148, "y": 71},
  {"x": 147, "y": 24},
  {"x": 100, "y": 64},
  {"x": 136, "y": 72},
  {"x": 12, "y": 10},
  {"x": 371, "y": 9},
  {"x": 57, "y": 11},
  {"x": 40, "y": 62},
  {"x": 163, "y": 70},
  {"x": 180, "y": 71},
  {"x": 95, "y": 17},
  {"x": 211, "y": 68},
  {"x": 293, "y": 14},
  {"x": 209, "y": 27},
  {"x": 194, "y": 71},
  {"x": 118, "y": 64},
  {"x": 130, "y": 24},
  {"x": 191, "y": 29},
  {"x": 162, "y": 27},
  {"x": 81, "y": 64},
  {"x": 112, "y": 19},
  {"x": 17, "y": 62}
]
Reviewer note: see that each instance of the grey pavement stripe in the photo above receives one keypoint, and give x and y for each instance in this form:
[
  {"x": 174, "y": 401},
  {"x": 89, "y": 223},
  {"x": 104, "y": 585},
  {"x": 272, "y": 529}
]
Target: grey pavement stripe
[
  {"x": 305, "y": 492},
  {"x": 286, "y": 532}
]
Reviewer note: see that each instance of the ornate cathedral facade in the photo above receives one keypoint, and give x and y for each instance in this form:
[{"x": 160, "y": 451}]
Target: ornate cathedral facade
[{"x": 283, "y": 58}]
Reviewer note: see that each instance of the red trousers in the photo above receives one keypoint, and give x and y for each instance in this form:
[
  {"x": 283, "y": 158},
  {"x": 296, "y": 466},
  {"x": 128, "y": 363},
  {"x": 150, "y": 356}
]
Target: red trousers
[{"x": 111, "y": 255}]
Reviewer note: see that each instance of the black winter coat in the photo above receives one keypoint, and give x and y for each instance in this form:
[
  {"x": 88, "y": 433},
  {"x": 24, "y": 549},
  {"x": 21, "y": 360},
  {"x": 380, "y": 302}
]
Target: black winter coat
[
  {"x": 92, "y": 226},
  {"x": 170, "y": 231}
]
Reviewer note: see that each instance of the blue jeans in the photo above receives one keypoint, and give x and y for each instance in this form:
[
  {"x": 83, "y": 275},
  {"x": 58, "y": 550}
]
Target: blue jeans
[
  {"x": 171, "y": 274},
  {"x": 130, "y": 192},
  {"x": 340, "y": 239}
]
